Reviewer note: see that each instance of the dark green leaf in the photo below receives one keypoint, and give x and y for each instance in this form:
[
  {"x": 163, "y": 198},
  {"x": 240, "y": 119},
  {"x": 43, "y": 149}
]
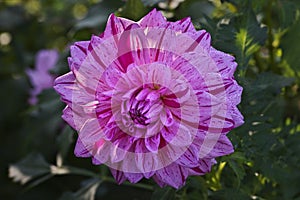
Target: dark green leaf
[
  {"x": 194, "y": 8},
  {"x": 64, "y": 141},
  {"x": 229, "y": 194},
  {"x": 151, "y": 2},
  {"x": 32, "y": 166},
  {"x": 242, "y": 37},
  {"x": 238, "y": 169},
  {"x": 87, "y": 191},
  {"x": 286, "y": 13},
  {"x": 290, "y": 48},
  {"x": 97, "y": 15},
  {"x": 133, "y": 9},
  {"x": 166, "y": 193}
]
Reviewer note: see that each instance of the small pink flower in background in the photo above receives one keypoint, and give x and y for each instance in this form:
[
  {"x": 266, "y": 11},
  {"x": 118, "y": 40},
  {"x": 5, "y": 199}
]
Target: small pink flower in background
[
  {"x": 40, "y": 77},
  {"x": 151, "y": 99}
]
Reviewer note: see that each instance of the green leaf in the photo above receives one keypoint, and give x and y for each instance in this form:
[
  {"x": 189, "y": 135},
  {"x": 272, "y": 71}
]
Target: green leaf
[
  {"x": 290, "y": 47},
  {"x": 197, "y": 188},
  {"x": 262, "y": 94},
  {"x": 64, "y": 141},
  {"x": 194, "y": 8},
  {"x": 29, "y": 168},
  {"x": 286, "y": 12},
  {"x": 242, "y": 37},
  {"x": 133, "y": 9},
  {"x": 166, "y": 193},
  {"x": 87, "y": 191},
  {"x": 152, "y": 2},
  {"x": 238, "y": 169},
  {"x": 229, "y": 194},
  {"x": 97, "y": 15}
]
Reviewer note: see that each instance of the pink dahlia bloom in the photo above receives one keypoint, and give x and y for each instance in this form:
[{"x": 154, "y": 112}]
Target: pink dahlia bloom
[
  {"x": 151, "y": 99},
  {"x": 40, "y": 77}
]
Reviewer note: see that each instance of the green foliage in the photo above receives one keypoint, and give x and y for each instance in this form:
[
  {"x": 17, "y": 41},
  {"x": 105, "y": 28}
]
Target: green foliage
[
  {"x": 29, "y": 168},
  {"x": 262, "y": 35},
  {"x": 242, "y": 36},
  {"x": 166, "y": 193},
  {"x": 133, "y": 9},
  {"x": 290, "y": 47},
  {"x": 86, "y": 192}
]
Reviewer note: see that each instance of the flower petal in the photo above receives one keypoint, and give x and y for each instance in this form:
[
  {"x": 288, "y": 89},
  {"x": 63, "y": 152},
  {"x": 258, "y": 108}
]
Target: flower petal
[
  {"x": 173, "y": 175},
  {"x": 152, "y": 143},
  {"x": 153, "y": 19},
  {"x": 115, "y": 25},
  {"x": 118, "y": 175},
  {"x": 46, "y": 60},
  {"x": 133, "y": 177}
]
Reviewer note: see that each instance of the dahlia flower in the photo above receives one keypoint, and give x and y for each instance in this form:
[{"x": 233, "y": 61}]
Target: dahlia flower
[
  {"x": 40, "y": 77},
  {"x": 151, "y": 99}
]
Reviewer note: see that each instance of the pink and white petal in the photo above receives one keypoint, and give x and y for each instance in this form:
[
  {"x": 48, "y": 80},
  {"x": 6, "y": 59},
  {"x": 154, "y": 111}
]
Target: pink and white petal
[
  {"x": 233, "y": 92},
  {"x": 166, "y": 117},
  {"x": 159, "y": 74},
  {"x": 192, "y": 67},
  {"x": 90, "y": 133},
  {"x": 152, "y": 143},
  {"x": 82, "y": 150},
  {"x": 68, "y": 117},
  {"x": 64, "y": 86},
  {"x": 78, "y": 53},
  {"x": 159, "y": 181},
  {"x": 221, "y": 121},
  {"x": 173, "y": 175},
  {"x": 117, "y": 154},
  {"x": 133, "y": 177},
  {"x": 133, "y": 47},
  {"x": 204, "y": 40},
  {"x": 118, "y": 175},
  {"x": 149, "y": 174},
  {"x": 204, "y": 166},
  {"x": 236, "y": 116},
  {"x": 120, "y": 146},
  {"x": 115, "y": 25},
  {"x": 146, "y": 162},
  {"x": 183, "y": 136},
  {"x": 101, "y": 152},
  {"x": 153, "y": 19},
  {"x": 190, "y": 158},
  {"x": 102, "y": 52},
  {"x": 111, "y": 76},
  {"x": 183, "y": 25},
  {"x": 224, "y": 62},
  {"x": 222, "y": 147},
  {"x": 168, "y": 134},
  {"x": 216, "y": 85}
]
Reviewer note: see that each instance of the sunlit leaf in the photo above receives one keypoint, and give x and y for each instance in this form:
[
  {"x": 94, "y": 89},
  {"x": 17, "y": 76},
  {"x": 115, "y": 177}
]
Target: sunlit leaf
[
  {"x": 242, "y": 37},
  {"x": 29, "y": 168}
]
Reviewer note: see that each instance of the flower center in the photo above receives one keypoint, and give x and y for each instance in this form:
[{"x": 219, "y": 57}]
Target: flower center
[{"x": 145, "y": 104}]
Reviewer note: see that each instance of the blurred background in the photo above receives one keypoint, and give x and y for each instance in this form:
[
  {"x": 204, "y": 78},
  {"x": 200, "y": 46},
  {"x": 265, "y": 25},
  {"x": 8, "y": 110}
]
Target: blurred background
[{"x": 36, "y": 146}]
